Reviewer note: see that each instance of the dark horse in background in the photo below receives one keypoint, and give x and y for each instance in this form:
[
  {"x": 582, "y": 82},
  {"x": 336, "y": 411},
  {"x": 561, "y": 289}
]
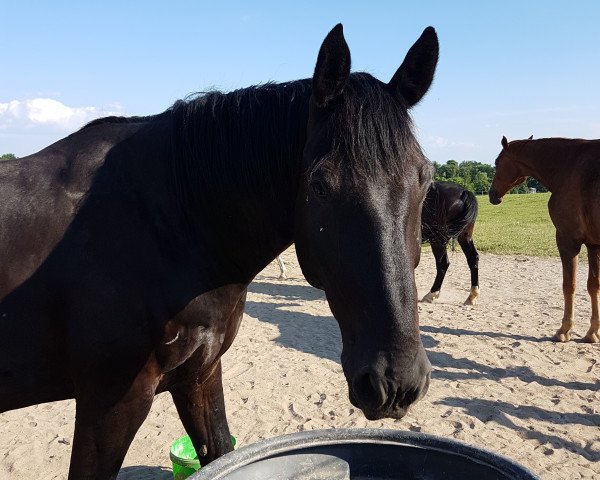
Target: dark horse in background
[
  {"x": 126, "y": 249},
  {"x": 449, "y": 212},
  {"x": 570, "y": 169}
]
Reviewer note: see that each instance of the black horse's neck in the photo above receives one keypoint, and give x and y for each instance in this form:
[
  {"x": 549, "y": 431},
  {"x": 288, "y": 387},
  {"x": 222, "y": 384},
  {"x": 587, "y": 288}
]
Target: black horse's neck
[{"x": 236, "y": 166}]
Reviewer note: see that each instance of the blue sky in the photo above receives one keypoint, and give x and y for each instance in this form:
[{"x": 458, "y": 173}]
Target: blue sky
[{"x": 513, "y": 68}]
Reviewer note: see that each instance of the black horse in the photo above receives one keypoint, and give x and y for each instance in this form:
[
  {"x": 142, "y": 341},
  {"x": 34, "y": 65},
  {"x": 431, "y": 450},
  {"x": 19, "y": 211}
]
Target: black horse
[
  {"x": 126, "y": 249},
  {"x": 449, "y": 212}
]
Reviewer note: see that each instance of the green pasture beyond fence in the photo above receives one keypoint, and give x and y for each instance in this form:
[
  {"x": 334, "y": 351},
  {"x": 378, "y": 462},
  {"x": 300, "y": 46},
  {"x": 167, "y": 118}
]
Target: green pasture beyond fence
[{"x": 519, "y": 225}]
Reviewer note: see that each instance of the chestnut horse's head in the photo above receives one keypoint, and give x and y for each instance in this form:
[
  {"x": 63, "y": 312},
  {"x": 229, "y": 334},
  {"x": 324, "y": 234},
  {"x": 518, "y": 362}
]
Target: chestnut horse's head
[
  {"x": 509, "y": 171},
  {"x": 359, "y": 219}
]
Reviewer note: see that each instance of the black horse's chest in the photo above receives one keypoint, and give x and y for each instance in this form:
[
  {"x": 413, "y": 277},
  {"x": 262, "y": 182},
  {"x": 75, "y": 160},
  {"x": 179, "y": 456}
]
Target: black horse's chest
[{"x": 203, "y": 330}]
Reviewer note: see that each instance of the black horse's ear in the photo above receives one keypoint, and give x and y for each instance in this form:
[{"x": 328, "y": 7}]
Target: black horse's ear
[
  {"x": 504, "y": 142},
  {"x": 412, "y": 80},
  {"x": 530, "y": 138},
  {"x": 333, "y": 67}
]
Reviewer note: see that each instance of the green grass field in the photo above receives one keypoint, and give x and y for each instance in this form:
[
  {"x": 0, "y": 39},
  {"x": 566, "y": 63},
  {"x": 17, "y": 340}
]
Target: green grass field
[{"x": 519, "y": 225}]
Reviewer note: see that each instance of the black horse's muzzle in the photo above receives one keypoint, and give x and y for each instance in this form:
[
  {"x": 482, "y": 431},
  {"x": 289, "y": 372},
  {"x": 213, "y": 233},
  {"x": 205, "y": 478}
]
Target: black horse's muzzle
[{"x": 381, "y": 397}]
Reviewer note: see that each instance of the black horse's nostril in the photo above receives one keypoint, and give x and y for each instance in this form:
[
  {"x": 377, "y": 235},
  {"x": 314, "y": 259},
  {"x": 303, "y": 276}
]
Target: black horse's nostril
[{"x": 369, "y": 389}]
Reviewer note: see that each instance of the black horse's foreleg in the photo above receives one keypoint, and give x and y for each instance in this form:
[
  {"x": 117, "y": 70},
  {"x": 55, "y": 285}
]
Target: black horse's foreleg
[
  {"x": 105, "y": 425},
  {"x": 465, "y": 240},
  {"x": 197, "y": 391},
  {"x": 201, "y": 407},
  {"x": 441, "y": 264}
]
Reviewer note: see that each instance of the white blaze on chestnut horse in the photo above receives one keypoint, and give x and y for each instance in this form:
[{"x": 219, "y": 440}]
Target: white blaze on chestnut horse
[{"x": 570, "y": 169}]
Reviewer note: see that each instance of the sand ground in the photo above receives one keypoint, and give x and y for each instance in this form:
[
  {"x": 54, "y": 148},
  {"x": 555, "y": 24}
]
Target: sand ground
[{"x": 498, "y": 380}]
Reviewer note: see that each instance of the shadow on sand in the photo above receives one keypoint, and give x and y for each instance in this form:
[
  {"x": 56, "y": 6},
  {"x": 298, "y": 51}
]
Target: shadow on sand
[
  {"x": 320, "y": 336},
  {"x": 500, "y": 413},
  {"x": 288, "y": 291},
  {"x": 143, "y": 472}
]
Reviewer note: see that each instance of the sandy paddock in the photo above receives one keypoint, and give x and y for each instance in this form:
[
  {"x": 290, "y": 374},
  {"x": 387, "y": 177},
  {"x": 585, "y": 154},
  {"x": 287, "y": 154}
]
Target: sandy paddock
[{"x": 498, "y": 380}]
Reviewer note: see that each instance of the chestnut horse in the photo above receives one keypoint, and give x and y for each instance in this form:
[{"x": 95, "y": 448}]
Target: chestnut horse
[
  {"x": 126, "y": 249},
  {"x": 570, "y": 169}
]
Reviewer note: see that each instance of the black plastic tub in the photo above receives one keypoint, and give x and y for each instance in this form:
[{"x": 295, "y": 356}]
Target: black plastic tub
[{"x": 361, "y": 454}]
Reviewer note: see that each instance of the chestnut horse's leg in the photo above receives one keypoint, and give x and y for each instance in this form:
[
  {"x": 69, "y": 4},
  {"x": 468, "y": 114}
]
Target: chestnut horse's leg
[
  {"x": 201, "y": 408},
  {"x": 465, "y": 240},
  {"x": 569, "y": 252},
  {"x": 105, "y": 426},
  {"x": 593, "y": 285},
  {"x": 441, "y": 264}
]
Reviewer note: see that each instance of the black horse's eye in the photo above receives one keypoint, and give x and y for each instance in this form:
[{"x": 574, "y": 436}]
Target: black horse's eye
[{"x": 318, "y": 187}]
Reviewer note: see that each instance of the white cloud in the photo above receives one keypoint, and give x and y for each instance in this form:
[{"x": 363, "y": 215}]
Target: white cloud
[
  {"x": 42, "y": 113},
  {"x": 442, "y": 142}
]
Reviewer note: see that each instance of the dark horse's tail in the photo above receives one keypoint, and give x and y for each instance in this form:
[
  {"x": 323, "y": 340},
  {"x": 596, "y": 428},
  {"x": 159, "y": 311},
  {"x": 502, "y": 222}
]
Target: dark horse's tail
[
  {"x": 468, "y": 214},
  {"x": 448, "y": 210}
]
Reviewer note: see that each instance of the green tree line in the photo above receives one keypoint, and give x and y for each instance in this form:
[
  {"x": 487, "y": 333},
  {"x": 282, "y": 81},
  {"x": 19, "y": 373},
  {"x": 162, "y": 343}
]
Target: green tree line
[
  {"x": 7, "y": 156},
  {"x": 477, "y": 177}
]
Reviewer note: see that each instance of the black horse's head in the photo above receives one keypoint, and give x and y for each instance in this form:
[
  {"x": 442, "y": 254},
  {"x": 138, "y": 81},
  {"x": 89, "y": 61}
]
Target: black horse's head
[{"x": 359, "y": 219}]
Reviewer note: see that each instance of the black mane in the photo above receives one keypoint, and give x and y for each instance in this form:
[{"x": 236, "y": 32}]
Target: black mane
[
  {"x": 117, "y": 119},
  {"x": 249, "y": 135},
  {"x": 212, "y": 130}
]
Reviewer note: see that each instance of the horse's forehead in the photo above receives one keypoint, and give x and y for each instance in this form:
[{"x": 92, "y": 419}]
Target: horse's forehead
[
  {"x": 506, "y": 157},
  {"x": 377, "y": 189},
  {"x": 502, "y": 156}
]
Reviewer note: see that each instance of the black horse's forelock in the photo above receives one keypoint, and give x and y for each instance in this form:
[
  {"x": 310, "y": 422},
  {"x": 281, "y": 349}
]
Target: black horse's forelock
[{"x": 372, "y": 131}]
